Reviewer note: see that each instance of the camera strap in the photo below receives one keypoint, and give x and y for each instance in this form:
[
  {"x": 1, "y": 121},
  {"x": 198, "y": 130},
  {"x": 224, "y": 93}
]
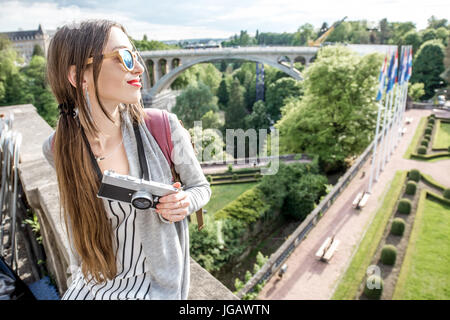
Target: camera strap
[{"x": 140, "y": 147}]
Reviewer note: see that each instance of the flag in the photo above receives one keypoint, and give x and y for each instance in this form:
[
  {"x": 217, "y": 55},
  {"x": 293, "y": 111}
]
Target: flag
[
  {"x": 404, "y": 67},
  {"x": 408, "y": 74},
  {"x": 382, "y": 79},
  {"x": 393, "y": 72}
]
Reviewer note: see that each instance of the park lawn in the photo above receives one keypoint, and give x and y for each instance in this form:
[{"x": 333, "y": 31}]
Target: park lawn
[
  {"x": 224, "y": 194},
  {"x": 415, "y": 140},
  {"x": 425, "y": 272},
  {"x": 442, "y": 138},
  {"x": 356, "y": 271}
]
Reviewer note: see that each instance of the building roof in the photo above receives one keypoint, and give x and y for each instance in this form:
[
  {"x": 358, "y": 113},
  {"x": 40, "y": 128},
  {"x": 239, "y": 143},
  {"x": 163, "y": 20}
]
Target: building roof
[{"x": 25, "y": 35}]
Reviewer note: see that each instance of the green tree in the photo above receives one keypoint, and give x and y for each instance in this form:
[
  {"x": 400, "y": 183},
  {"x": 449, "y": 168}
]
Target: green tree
[
  {"x": 278, "y": 91},
  {"x": 428, "y": 34},
  {"x": 436, "y": 23},
  {"x": 222, "y": 93},
  {"x": 236, "y": 111},
  {"x": 304, "y": 33},
  {"x": 37, "y": 51},
  {"x": 193, "y": 103},
  {"x": 428, "y": 65},
  {"x": 335, "y": 119},
  {"x": 259, "y": 118},
  {"x": 212, "y": 120},
  {"x": 416, "y": 91},
  {"x": 412, "y": 38}
]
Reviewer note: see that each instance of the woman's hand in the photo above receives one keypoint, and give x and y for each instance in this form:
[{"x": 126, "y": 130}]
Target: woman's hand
[{"x": 174, "y": 207}]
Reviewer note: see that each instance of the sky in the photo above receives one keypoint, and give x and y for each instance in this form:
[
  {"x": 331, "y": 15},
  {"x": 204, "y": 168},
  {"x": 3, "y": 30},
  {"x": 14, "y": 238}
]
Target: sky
[{"x": 175, "y": 20}]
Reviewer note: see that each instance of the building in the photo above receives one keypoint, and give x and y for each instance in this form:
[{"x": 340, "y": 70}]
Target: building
[{"x": 24, "y": 41}]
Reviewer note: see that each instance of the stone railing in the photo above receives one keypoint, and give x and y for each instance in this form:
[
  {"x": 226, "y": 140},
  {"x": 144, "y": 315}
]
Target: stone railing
[{"x": 41, "y": 190}]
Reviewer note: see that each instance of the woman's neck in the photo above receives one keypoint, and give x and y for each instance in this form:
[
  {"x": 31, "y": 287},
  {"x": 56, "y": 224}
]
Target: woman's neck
[{"x": 110, "y": 132}]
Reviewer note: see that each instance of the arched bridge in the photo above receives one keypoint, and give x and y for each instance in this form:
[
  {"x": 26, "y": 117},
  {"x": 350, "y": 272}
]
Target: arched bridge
[{"x": 164, "y": 66}]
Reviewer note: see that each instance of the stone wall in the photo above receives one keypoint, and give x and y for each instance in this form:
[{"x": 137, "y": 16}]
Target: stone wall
[{"x": 40, "y": 186}]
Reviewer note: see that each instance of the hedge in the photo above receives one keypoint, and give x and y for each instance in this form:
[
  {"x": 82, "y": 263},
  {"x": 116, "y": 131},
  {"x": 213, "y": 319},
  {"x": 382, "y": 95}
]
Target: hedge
[
  {"x": 422, "y": 150},
  {"x": 411, "y": 187},
  {"x": 424, "y": 143},
  {"x": 428, "y": 131},
  {"x": 388, "y": 254},
  {"x": 414, "y": 175},
  {"x": 404, "y": 206},
  {"x": 398, "y": 227},
  {"x": 374, "y": 293},
  {"x": 447, "y": 193}
]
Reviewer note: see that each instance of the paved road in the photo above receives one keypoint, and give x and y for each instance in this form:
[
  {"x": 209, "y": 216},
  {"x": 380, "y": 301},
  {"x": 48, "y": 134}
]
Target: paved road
[{"x": 307, "y": 278}]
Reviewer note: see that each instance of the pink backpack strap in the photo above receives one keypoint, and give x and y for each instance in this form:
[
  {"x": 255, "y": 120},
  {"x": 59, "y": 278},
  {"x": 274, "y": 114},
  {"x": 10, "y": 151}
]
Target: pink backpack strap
[{"x": 157, "y": 122}]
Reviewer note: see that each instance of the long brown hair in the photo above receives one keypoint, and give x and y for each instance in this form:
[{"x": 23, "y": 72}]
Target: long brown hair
[{"x": 77, "y": 180}]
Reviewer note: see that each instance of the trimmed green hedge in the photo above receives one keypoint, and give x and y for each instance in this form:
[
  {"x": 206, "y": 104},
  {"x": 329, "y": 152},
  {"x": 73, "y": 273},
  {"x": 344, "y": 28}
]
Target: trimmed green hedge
[
  {"x": 411, "y": 187},
  {"x": 447, "y": 193},
  {"x": 248, "y": 207},
  {"x": 388, "y": 254},
  {"x": 431, "y": 120},
  {"x": 377, "y": 282},
  {"x": 414, "y": 175},
  {"x": 428, "y": 131},
  {"x": 422, "y": 150},
  {"x": 404, "y": 206},
  {"x": 398, "y": 227},
  {"x": 424, "y": 143}
]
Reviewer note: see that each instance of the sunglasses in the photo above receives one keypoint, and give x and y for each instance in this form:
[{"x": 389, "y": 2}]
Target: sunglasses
[{"x": 126, "y": 57}]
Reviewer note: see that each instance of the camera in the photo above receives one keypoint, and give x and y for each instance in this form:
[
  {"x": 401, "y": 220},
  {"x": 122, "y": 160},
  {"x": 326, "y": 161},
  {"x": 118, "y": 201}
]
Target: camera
[{"x": 142, "y": 194}]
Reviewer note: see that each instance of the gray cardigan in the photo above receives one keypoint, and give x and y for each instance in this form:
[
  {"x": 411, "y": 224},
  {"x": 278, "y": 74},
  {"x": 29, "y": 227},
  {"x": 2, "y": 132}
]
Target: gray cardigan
[{"x": 165, "y": 245}]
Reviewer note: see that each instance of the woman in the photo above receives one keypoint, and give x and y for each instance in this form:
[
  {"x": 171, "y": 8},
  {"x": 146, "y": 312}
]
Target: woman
[{"x": 117, "y": 251}]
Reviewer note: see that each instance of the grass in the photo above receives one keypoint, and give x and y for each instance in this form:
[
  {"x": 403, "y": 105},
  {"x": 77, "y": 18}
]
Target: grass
[
  {"x": 356, "y": 271},
  {"x": 426, "y": 267},
  {"x": 415, "y": 140},
  {"x": 442, "y": 138},
  {"x": 224, "y": 194}
]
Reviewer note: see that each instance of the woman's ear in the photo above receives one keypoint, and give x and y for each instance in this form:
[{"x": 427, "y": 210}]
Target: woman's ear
[{"x": 72, "y": 77}]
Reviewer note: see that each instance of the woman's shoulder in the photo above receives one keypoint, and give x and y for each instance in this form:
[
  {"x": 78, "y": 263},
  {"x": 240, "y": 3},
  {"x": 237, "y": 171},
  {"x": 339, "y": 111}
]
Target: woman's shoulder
[{"x": 47, "y": 149}]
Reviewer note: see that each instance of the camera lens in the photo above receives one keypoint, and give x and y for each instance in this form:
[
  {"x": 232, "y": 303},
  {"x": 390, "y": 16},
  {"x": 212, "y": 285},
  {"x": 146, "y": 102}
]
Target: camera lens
[{"x": 142, "y": 200}]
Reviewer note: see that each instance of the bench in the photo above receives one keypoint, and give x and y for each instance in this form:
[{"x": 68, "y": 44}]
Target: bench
[
  {"x": 327, "y": 249},
  {"x": 408, "y": 120},
  {"x": 364, "y": 199},
  {"x": 357, "y": 200},
  {"x": 404, "y": 131}
]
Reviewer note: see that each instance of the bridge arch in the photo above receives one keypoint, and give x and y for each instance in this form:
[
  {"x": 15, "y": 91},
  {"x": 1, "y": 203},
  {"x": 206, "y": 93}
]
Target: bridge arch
[{"x": 165, "y": 81}]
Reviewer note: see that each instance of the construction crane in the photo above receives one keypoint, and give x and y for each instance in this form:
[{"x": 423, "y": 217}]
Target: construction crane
[{"x": 318, "y": 41}]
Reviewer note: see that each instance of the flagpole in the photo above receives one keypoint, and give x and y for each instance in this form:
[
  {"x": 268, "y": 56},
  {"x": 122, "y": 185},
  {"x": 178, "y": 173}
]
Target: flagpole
[
  {"x": 374, "y": 153},
  {"x": 389, "y": 123},
  {"x": 383, "y": 132},
  {"x": 398, "y": 98},
  {"x": 402, "y": 94}
]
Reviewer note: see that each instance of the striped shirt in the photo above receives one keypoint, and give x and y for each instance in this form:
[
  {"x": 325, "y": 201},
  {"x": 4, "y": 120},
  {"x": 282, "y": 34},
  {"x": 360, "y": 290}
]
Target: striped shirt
[{"x": 133, "y": 279}]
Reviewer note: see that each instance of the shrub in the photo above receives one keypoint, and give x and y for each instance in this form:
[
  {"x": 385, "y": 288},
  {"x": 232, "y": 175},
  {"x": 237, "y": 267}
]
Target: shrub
[
  {"x": 424, "y": 143},
  {"x": 209, "y": 178},
  {"x": 235, "y": 176},
  {"x": 431, "y": 120},
  {"x": 411, "y": 187},
  {"x": 398, "y": 227},
  {"x": 404, "y": 206},
  {"x": 422, "y": 150},
  {"x": 388, "y": 254},
  {"x": 447, "y": 193},
  {"x": 414, "y": 175},
  {"x": 230, "y": 168},
  {"x": 377, "y": 282},
  {"x": 428, "y": 131},
  {"x": 427, "y": 136}
]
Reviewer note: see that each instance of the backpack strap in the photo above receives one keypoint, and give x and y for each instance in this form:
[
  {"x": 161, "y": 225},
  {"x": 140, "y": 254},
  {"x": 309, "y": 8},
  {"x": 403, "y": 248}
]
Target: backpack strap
[{"x": 157, "y": 122}]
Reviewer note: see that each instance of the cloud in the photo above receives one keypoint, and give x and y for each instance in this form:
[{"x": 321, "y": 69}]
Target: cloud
[{"x": 170, "y": 19}]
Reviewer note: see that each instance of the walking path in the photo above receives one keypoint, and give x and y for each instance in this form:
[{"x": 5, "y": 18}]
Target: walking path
[{"x": 307, "y": 278}]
